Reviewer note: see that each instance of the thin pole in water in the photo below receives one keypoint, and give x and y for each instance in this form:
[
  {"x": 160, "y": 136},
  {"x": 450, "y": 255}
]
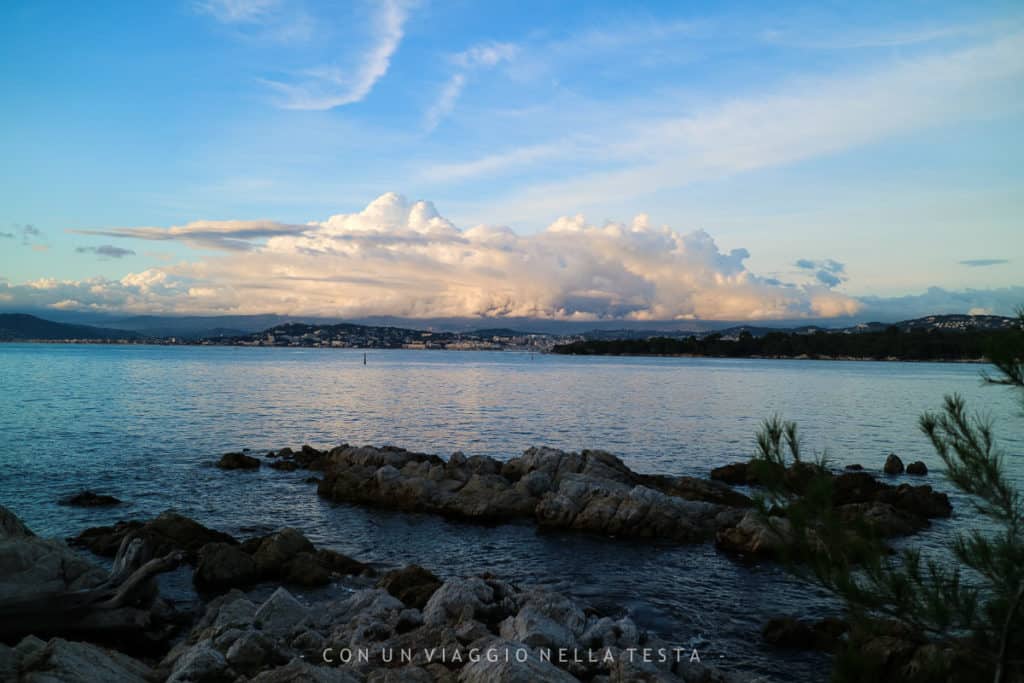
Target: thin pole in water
[{"x": 364, "y": 359}]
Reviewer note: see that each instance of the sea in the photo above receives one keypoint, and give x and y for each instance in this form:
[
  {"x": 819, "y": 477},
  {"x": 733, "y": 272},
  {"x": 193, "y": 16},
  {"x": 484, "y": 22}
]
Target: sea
[{"x": 146, "y": 423}]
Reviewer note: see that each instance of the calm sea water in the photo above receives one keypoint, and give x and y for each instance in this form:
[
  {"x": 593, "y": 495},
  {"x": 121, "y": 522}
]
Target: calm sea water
[{"x": 144, "y": 423}]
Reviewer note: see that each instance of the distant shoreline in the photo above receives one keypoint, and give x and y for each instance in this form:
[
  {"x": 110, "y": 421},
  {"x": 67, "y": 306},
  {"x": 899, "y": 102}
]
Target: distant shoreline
[{"x": 890, "y": 359}]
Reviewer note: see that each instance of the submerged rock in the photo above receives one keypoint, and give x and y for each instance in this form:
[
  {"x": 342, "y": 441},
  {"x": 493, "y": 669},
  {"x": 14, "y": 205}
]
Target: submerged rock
[
  {"x": 238, "y": 461},
  {"x": 90, "y": 499}
]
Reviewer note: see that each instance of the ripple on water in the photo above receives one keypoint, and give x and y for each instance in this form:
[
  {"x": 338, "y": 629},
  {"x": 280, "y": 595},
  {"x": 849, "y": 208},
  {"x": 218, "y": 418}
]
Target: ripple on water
[{"x": 144, "y": 424}]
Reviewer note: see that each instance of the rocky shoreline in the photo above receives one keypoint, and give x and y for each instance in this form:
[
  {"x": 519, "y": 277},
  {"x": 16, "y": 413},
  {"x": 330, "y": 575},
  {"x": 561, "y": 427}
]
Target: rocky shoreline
[
  {"x": 404, "y": 623},
  {"x": 594, "y": 491}
]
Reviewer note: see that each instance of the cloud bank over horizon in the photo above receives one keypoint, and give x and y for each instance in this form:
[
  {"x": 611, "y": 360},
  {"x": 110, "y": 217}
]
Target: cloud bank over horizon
[{"x": 401, "y": 258}]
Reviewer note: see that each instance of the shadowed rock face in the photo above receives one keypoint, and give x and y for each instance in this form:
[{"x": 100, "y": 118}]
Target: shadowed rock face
[
  {"x": 859, "y": 498},
  {"x": 168, "y": 531},
  {"x": 590, "y": 491}
]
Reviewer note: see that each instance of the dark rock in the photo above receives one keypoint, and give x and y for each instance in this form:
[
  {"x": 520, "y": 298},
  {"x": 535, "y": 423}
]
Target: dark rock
[
  {"x": 413, "y": 585},
  {"x": 788, "y": 632},
  {"x": 855, "y": 487},
  {"x": 920, "y": 500},
  {"x": 238, "y": 461},
  {"x": 11, "y": 526},
  {"x": 305, "y": 569},
  {"x": 165, "y": 533},
  {"x": 793, "y": 633},
  {"x": 917, "y": 468},
  {"x": 854, "y": 468},
  {"x": 893, "y": 465},
  {"x": 691, "y": 488},
  {"x": 277, "y": 550},
  {"x": 285, "y": 465},
  {"x": 90, "y": 499},
  {"x": 337, "y": 563},
  {"x": 222, "y": 566},
  {"x": 736, "y": 473},
  {"x": 882, "y": 518}
]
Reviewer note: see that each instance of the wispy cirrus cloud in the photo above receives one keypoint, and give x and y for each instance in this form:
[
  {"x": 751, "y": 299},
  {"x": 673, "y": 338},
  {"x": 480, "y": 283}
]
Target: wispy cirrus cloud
[
  {"x": 804, "y": 119},
  {"x": 230, "y": 235},
  {"x": 330, "y": 86},
  {"x": 481, "y": 56},
  {"x": 983, "y": 262}
]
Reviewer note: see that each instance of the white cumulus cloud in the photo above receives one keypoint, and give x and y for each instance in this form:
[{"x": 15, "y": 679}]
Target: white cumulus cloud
[{"x": 402, "y": 258}]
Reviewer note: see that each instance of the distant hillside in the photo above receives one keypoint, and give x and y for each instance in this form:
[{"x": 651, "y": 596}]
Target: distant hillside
[
  {"x": 22, "y": 327},
  {"x": 936, "y": 338}
]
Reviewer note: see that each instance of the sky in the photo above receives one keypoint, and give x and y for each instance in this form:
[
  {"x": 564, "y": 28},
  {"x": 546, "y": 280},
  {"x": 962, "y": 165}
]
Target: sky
[{"x": 571, "y": 161}]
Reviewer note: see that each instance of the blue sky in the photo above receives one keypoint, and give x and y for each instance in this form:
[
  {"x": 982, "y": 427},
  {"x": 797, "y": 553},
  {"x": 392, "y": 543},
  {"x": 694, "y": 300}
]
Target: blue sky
[{"x": 884, "y": 138}]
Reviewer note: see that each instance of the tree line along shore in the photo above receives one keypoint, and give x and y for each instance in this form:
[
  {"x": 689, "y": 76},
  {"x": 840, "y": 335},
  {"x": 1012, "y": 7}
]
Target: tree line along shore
[{"x": 891, "y": 344}]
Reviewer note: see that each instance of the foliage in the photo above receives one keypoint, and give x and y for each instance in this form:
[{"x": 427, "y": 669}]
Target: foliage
[
  {"x": 917, "y": 344},
  {"x": 971, "y": 611}
]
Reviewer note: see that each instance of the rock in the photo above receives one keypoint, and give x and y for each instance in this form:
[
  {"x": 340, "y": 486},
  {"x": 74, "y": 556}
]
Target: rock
[
  {"x": 276, "y": 550},
  {"x": 412, "y": 584},
  {"x": 920, "y": 500},
  {"x": 236, "y": 612},
  {"x": 499, "y": 663},
  {"x": 249, "y": 652},
  {"x": 854, "y": 468},
  {"x": 11, "y": 526},
  {"x": 9, "y": 660},
  {"x": 306, "y": 569},
  {"x": 32, "y": 567},
  {"x": 285, "y": 465},
  {"x": 298, "y": 671},
  {"x": 457, "y": 597},
  {"x": 884, "y": 519},
  {"x": 893, "y": 465},
  {"x": 587, "y": 491},
  {"x": 280, "y": 613},
  {"x": 691, "y": 488},
  {"x": 612, "y": 508},
  {"x": 855, "y": 487},
  {"x": 167, "y": 532},
  {"x": 755, "y": 536},
  {"x": 89, "y": 499},
  {"x": 338, "y": 563},
  {"x": 793, "y": 633},
  {"x": 547, "y": 620},
  {"x": 406, "y": 674},
  {"x": 917, "y": 468},
  {"x": 222, "y": 565},
  {"x": 238, "y": 461},
  {"x": 733, "y": 473},
  {"x": 62, "y": 661},
  {"x": 201, "y": 663}
]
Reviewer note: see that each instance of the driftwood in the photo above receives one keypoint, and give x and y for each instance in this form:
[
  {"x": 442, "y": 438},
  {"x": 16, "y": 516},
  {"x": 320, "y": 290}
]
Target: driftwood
[{"x": 125, "y": 604}]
